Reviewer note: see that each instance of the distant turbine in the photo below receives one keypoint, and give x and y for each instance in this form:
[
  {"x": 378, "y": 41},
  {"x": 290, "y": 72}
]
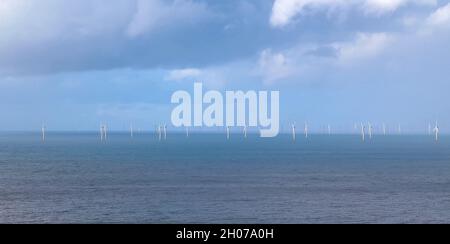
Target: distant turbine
[
  {"x": 187, "y": 131},
  {"x": 293, "y": 131},
  {"x": 245, "y": 131},
  {"x": 43, "y": 132},
  {"x": 306, "y": 130},
  {"x": 131, "y": 130},
  {"x": 363, "y": 132},
  {"x": 436, "y": 131},
  {"x": 228, "y": 133},
  {"x": 384, "y": 129},
  {"x": 105, "y": 130},
  {"x": 329, "y": 129},
  {"x": 101, "y": 132},
  {"x": 159, "y": 132},
  {"x": 165, "y": 132},
  {"x": 399, "y": 129},
  {"x": 429, "y": 129},
  {"x": 370, "y": 130}
]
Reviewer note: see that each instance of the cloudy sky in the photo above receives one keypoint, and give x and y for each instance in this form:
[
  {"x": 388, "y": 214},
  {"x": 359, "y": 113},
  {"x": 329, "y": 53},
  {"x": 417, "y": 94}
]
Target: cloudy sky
[{"x": 72, "y": 64}]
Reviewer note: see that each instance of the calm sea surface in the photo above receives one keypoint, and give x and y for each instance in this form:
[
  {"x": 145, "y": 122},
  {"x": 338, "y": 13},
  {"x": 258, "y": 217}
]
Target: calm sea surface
[{"x": 73, "y": 178}]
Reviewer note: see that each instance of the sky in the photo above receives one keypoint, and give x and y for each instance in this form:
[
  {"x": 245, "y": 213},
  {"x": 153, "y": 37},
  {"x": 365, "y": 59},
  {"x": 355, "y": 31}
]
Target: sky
[{"x": 75, "y": 64}]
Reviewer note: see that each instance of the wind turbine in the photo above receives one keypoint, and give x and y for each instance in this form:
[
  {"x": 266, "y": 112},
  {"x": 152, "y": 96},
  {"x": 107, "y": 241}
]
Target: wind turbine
[
  {"x": 306, "y": 130},
  {"x": 370, "y": 130},
  {"x": 363, "y": 132},
  {"x": 101, "y": 132},
  {"x": 187, "y": 131},
  {"x": 228, "y": 133},
  {"x": 429, "y": 129},
  {"x": 159, "y": 132},
  {"x": 105, "y": 130},
  {"x": 436, "y": 131},
  {"x": 165, "y": 132},
  {"x": 384, "y": 129},
  {"x": 131, "y": 130},
  {"x": 43, "y": 132},
  {"x": 293, "y": 131},
  {"x": 399, "y": 129},
  {"x": 329, "y": 130},
  {"x": 245, "y": 131}
]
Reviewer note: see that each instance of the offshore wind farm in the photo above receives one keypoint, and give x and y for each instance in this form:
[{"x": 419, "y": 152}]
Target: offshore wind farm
[
  {"x": 329, "y": 173},
  {"x": 366, "y": 131},
  {"x": 196, "y": 111}
]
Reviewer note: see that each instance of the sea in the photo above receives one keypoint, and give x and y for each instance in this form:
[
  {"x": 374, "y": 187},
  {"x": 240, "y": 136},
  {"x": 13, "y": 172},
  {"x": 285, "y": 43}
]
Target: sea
[{"x": 73, "y": 177}]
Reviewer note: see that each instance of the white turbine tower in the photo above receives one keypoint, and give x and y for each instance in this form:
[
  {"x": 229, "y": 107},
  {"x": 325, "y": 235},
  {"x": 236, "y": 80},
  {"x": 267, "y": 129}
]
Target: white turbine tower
[
  {"x": 105, "y": 132},
  {"x": 43, "y": 132},
  {"x": 429, "y": 129},
  {"x": 436, "y": 131},
  {"x": 306, "y": 130},
  {"x": 399, "y": 129},
  {"x": 101, "y": 132},
  {"x": 370, "y": 128},
  {"x": 329, "y": 130},
  {"x": 228, "y": 133},
  {"x": 245, "y": 131},
  {"x": 131, "y": 131},
  {"x": 384, "y": 129},
  {"x": 293, "y": 131},
  {"x": 159, "y": 132},
  {"x": 165, "y": 132},
  {"x": 363, "y": 132},
  {"x": 187, "y": 131}
]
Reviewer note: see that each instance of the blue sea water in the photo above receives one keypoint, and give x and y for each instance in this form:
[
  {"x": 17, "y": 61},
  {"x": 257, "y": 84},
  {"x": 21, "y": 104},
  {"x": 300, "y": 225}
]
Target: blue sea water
[{"x": 74, "y": 178}]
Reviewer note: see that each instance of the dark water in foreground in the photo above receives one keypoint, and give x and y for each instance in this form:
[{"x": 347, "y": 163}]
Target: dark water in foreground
[{"x": 73, "y": 178}]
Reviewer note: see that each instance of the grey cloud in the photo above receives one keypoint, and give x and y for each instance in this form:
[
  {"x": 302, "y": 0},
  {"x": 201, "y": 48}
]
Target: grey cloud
[{"x": 48, "y": 36}]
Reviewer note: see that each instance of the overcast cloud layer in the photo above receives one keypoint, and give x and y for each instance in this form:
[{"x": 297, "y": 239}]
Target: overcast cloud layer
[{"x": 336, "y": 62}]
